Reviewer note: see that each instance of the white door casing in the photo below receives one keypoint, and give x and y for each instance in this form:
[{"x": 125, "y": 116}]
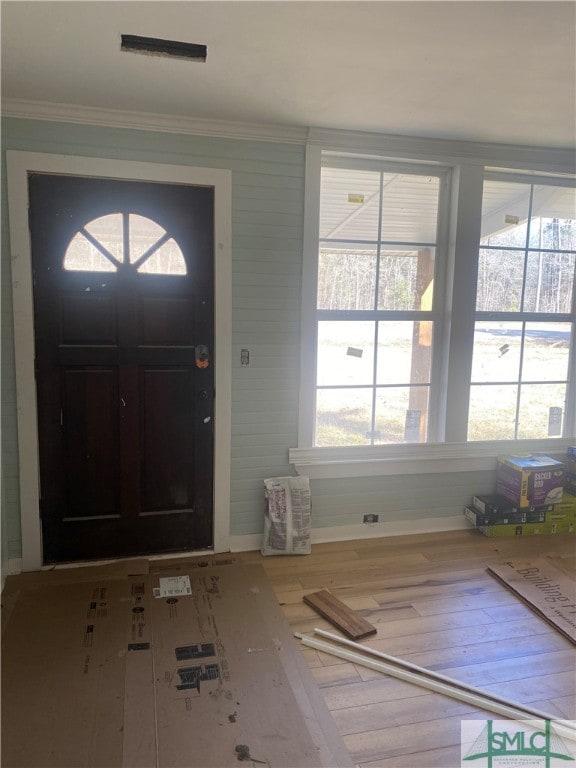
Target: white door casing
[{"x": 20, "y": 165}]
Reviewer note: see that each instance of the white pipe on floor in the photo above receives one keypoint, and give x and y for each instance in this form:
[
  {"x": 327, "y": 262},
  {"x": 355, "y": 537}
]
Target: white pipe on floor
[
  {"x": 428, "y": 672},
  {"x": 509, "y": 711}
]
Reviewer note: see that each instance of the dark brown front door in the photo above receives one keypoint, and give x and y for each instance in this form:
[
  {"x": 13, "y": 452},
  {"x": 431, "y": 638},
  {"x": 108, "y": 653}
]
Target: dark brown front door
[{"x": 124, "y": 305}]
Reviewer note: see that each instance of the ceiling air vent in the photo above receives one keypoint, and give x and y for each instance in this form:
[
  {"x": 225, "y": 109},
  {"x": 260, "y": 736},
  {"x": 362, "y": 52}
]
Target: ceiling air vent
[{"x": 153, "y": 46}]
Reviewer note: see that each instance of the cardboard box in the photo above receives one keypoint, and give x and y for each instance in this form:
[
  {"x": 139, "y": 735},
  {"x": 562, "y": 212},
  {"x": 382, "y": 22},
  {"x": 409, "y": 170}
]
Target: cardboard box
[
  {"x": 530, "y": 481},
  {"x": 570, "y": 461},
  {"x": 570, "y": 482},
  {"x": 500, "y": 518},
  {"x": 565, "y": 509},
  {"x": 528, "y": 529},
  {"x": 494, "y": 504},
  {"x": 546, "y": 589}
]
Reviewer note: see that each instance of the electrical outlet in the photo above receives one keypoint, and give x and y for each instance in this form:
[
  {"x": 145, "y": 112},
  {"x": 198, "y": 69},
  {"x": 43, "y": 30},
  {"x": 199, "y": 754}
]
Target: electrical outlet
[{"x": 370, "y": 518}]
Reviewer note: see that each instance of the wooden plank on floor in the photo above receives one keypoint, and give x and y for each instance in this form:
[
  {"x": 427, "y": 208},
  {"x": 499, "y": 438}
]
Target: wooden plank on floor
[
  {"x": 339, "y": 674},
  {"x": 419, "y": 709},
  {"x": 527, "y": 646},
  {"x": 410, "y": 738},
  {"x": 447, "y": 757},
  {"x": 515, "y": 668},
  {"x": 433, "y": 603},
  {"x": 566, "y": 705},
  {"x": 338, "y": 614}
]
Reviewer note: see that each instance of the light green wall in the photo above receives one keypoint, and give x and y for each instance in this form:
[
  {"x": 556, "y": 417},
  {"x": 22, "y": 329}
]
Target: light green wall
[
  {"x": 344, "y": 501},
  {"x": 267, "y": 222},
  {"x": 267, "y": 216},
  {"x": 10, "y": 510}
]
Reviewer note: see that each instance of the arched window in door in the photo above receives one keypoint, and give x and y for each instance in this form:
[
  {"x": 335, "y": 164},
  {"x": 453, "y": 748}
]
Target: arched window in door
[{"x": 124, "y": 240}]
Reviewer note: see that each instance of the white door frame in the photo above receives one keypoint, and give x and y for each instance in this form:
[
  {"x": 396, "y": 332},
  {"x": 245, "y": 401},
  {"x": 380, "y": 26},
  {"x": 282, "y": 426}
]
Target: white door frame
[{"x": 20, "y": 165}]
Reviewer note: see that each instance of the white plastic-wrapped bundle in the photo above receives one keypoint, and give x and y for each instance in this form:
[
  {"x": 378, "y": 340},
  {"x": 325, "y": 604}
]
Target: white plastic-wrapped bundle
[{"x": 287, "y": 516}]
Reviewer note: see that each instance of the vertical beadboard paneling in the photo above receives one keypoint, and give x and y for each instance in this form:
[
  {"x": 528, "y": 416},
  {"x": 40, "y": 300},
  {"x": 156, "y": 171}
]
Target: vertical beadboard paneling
[
  {"x": 396, "y": 497},
  {"x": 267, "y": 221},
  {"x": 10, "y": 511},
  {"x": 267, "y": 215}
]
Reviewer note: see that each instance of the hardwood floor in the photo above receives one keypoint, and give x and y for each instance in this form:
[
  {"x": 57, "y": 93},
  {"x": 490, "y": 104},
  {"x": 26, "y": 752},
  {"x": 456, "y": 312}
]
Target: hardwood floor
[{"x": 433, "y": 604}]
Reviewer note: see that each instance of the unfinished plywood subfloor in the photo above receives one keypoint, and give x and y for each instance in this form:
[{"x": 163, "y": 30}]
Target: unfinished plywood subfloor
[
  {"x": 102, "y": 673},
  {"x": 434, "y": 604}
]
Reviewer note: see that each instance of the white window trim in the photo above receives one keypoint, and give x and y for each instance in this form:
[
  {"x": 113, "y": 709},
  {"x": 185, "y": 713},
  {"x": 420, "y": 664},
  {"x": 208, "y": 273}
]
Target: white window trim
[
  {"x": 415, "y": 458},
  {"x": 454, "y": 455},
  {"x": 19, "y": 166}
]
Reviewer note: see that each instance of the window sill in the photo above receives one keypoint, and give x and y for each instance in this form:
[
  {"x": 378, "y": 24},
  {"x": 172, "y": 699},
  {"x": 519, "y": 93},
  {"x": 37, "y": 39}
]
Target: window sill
[{"x": 416, "y": 459}]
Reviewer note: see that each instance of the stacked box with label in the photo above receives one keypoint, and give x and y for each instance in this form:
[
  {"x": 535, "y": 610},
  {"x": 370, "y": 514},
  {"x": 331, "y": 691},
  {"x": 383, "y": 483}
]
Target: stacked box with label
[
  {"x": 530, "y": 480},
  {"x": 497, "y": 510},
  {"x": 570, "y": 476},
  {"x": 530, "y": 529},
  {"x": 558, "y": 518},
  {"x": 565, "y": 510}
]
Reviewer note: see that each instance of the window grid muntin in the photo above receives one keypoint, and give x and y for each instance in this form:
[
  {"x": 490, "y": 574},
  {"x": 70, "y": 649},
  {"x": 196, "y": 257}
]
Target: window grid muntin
[
  {"x": 375, "y": 308},
  {"x": 455, "y": 199},
  {"x": 398, "y": 384},
  {"x": 376, "y": 314},
  {"x": 527, "y": 253},
  {"x": 123, "y": 261},
  {"x": 99, "y": 247},
  {"x": 395, "y": 243},
  {"x": 126, "y": 237},
  {"x": 525, "y": 317}
]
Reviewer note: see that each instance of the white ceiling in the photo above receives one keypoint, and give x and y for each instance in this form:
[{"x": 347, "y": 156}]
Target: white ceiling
[{"x": 478, "y": 71}]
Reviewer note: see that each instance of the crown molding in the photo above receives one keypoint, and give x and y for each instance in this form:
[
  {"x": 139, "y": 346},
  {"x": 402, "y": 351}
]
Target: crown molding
[
  {"x": 544, "y": 159},
  {"x": 146, "y": 121},
  {"x": 538, "y": 158}
]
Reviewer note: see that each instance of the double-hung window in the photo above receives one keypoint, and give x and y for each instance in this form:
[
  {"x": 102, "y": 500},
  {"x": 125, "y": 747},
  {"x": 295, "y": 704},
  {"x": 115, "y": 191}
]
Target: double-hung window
[
  {"x": 523, "y": 371},
  {"x": 376, "y": 303},
  {"x": 389, "y": 294}
]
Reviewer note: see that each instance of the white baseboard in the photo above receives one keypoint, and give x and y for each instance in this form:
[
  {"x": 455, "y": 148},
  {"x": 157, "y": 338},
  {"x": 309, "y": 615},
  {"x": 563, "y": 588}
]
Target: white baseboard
[
  {"x": 10, "y": 568},
  {"x": 253, "y": 541},
  {"x": 13, "y": 566}
]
